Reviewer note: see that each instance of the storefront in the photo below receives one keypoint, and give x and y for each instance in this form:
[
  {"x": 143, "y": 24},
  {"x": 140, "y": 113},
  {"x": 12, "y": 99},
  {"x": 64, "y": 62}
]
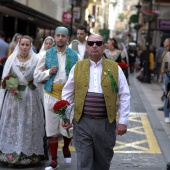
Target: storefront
[
  {"x": 164, "y": 26},
  {"x": 18, "y": 18}
]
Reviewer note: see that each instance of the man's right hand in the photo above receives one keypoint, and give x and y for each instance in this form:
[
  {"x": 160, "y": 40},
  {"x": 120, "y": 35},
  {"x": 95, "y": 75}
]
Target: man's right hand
[
  {"x": 53, "y": 70},
  {"x": 66, "y": 125}
]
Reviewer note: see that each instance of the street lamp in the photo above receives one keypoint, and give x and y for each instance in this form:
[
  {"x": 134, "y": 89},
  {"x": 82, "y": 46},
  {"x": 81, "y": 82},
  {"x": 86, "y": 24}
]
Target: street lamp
[
  {"x": 73, "y": 3},
  {"x": 89, "y": 20},
  {"x": 137, "y": 27},
  {"x": 147, "y": 74}
]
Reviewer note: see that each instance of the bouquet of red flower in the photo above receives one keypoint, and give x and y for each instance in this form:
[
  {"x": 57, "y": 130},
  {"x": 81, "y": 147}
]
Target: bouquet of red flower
[
  {"x": 60, "y": 109},
  {"x": 11, "y": 82},
  {"x": 123, "y": 64}
]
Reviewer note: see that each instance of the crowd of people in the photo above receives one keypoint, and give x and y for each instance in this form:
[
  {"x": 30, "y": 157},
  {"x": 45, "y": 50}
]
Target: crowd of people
[
  {"x": 90, "y": 74},
  {"x": 71, "y": 71}
]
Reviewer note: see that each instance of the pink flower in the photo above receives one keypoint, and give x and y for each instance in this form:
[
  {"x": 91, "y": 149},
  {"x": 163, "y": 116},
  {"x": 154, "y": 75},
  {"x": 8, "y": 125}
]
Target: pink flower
[{"x": 10, "y": 157}]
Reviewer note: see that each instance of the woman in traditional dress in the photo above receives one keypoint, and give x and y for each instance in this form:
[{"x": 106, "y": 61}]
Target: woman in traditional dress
[
  {"x": 112, "y": 52},
  {"x": 47, "y": 44},
  {"x": 124, "y": 60},
  {"x": 22, "y": 121},
  {"x": 13, "y": 43}
]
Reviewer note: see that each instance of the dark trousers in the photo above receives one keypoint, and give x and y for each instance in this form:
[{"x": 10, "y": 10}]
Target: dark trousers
[
  {"x": 132, "y": 67},
  {"x": 1, "y": 70},
  {"x": 94, "y": 141}
]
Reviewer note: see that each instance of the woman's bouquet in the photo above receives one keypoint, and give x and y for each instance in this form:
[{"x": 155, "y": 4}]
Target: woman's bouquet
[
  {"x": 60, "y": 109},
  {"x": 11, "y": 83},
  {"x": 122, "y": 64}
]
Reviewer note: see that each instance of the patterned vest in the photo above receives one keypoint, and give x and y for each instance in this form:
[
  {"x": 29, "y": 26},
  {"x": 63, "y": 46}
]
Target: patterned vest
[
  {"x": 81, "y": 83},
  {"x": 52, "y": 60}
]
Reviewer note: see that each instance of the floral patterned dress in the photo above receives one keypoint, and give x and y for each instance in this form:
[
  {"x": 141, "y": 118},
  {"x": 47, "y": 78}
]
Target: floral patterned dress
[{"x": 22, "y": 121}]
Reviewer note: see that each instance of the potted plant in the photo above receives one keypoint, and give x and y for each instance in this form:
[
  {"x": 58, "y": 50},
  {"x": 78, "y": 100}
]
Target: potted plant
[{"x": 150, "y": 15}]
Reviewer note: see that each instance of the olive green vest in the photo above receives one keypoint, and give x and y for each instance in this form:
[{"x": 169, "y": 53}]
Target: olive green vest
[{"x": 81, "y": 83}]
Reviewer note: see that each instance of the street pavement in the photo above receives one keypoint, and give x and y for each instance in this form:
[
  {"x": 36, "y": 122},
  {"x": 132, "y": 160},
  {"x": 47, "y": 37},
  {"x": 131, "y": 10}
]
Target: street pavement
[{"x": 146, "y": 146}]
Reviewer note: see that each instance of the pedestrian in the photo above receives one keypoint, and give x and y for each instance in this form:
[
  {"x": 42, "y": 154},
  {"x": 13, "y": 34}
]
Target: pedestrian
[
  {"x": 13, "y": 43},
  {"x": 124, "y": 60},
  {"x": 100, "y": 90},
  {"x": 22, "y": 122},
  {"x": 3, "y": 51},
  {"x": 79, "y": 45},
  {"x": 158, "y": 59},
  {"x": 165, "y": 66},
  {"x": 132, "y": 53},
  {"x": 112, "y": 52},
  {"x": 47, "y": 44},
  {"x": 58, "y": 62}
]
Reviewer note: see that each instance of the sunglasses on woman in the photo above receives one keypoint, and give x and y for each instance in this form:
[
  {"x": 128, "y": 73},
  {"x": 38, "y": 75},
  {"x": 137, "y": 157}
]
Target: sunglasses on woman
[{"x": 98, "y": 43}]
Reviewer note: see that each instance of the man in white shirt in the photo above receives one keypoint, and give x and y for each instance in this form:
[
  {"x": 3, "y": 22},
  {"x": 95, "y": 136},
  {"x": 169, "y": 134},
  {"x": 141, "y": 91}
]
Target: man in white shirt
[
  {"x": 58, "y": 62},
  {"x": 100, "y": 90},
  {"x": 79, "y": 45}
]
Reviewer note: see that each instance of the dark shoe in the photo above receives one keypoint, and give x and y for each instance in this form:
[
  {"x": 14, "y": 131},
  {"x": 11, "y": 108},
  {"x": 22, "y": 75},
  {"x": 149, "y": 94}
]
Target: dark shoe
[
  {"x": 67, "y": 155},
  {"x": 163, "y": 97},
  {"x": 53, "y": 166},
  {"x": 161, "y": 108},
  {"x": 168, "y": 166}
]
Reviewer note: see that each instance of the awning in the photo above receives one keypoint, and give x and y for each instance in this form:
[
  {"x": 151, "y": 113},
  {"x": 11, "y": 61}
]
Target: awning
[{"x": 15, "y": 9}]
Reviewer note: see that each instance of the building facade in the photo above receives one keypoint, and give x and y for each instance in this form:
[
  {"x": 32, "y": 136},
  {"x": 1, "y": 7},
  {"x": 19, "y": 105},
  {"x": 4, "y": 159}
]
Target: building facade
[{"x": 39, "y": 18}]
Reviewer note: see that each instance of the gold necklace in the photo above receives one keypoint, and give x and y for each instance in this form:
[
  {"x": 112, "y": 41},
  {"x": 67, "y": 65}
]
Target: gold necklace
[{"x": 23, "y": 56}]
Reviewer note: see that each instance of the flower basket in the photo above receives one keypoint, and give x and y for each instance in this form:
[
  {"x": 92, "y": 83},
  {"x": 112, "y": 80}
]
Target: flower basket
[{"x": 150, "y": 15}]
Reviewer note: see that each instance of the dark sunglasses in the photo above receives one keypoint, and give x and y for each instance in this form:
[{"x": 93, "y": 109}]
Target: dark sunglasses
[{"x": 91, "y": 43}]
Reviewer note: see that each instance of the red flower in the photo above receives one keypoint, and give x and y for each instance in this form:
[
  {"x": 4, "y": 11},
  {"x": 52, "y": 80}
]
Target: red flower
[
  {"x": 60, "y": 109},
  {"x": 60, "y": 105},
  {"x": 123, "y": 65}
]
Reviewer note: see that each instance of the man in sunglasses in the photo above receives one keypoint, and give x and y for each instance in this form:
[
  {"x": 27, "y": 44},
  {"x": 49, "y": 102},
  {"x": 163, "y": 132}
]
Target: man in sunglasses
[{"x": 100, "y": 90}]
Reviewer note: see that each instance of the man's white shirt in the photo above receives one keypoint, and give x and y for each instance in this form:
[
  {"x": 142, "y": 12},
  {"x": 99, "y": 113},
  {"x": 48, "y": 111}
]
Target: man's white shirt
[{"x": 81, "y": 49}]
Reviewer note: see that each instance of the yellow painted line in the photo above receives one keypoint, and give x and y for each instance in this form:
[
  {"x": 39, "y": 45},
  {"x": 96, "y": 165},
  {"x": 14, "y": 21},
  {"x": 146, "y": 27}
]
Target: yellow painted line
[
  {"x": 154, "y": 148},
  {"x": 136, "y": 130},
  {"x": 143, "y": 128},
  {"x": 132, "y": 144}
]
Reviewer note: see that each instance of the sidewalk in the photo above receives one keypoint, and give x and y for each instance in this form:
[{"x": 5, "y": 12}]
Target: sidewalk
[{"x": 151, "y": 98}]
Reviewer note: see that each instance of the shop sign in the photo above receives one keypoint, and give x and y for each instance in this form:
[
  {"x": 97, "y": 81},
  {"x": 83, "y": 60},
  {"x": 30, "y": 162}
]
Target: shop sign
[
  {"x": 163, "y": 24},
  {"x": 66, "y": 17},
  {"x": 76, "y": 12}
]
